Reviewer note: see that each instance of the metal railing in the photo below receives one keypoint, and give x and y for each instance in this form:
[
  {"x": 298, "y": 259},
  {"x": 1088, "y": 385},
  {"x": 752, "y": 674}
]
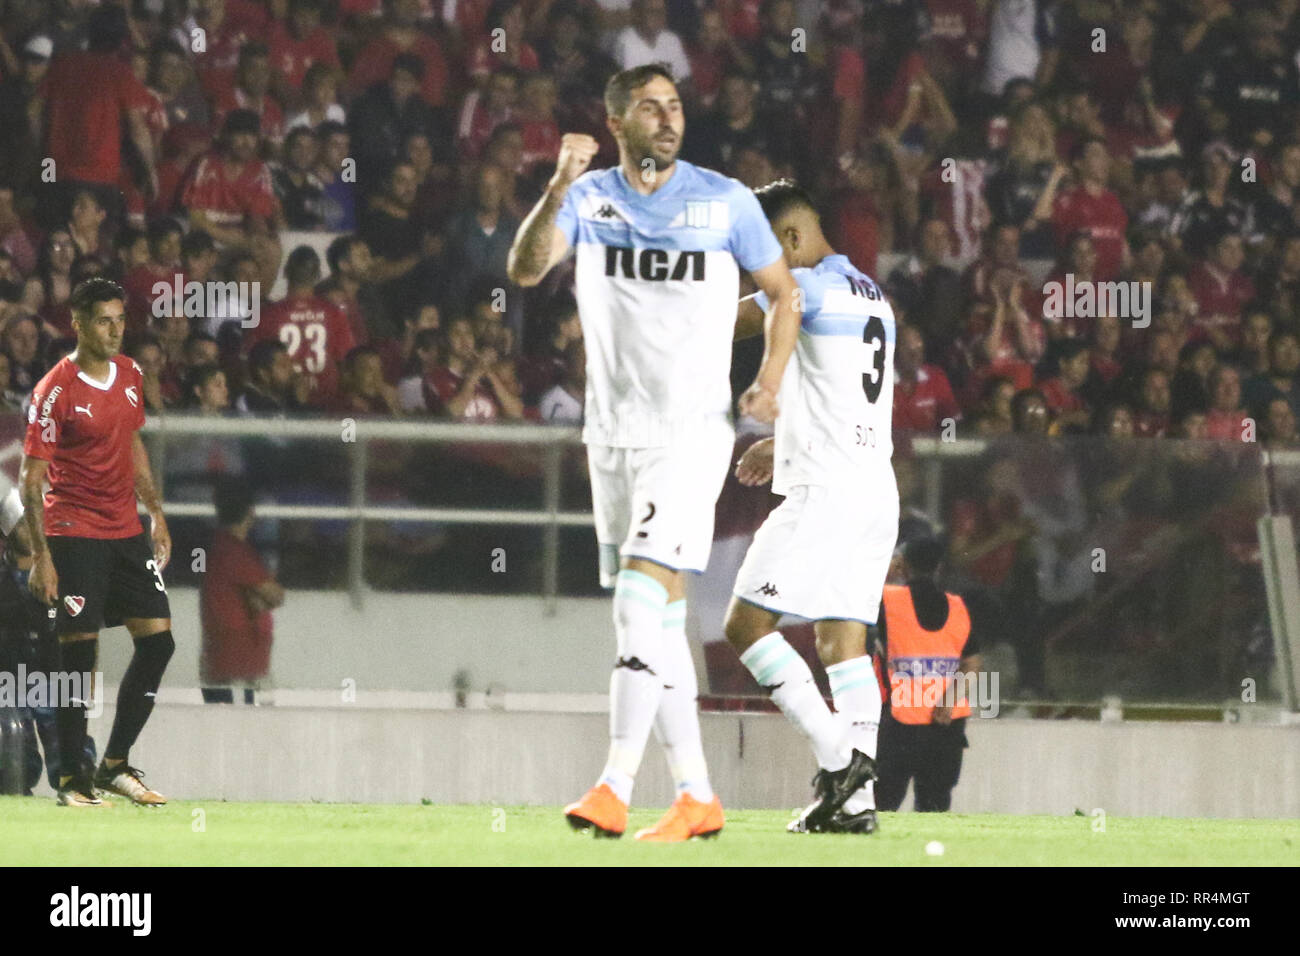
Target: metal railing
[{"x": 356, "y": 435}]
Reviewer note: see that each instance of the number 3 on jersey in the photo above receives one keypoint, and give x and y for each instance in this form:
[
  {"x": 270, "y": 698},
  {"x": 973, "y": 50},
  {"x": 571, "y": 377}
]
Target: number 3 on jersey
[
  {"x": 873, "y": 336},
  {"x": 313, "y": 333}
]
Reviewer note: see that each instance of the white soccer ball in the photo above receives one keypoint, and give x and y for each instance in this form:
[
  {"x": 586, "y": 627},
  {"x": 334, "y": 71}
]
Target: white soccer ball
[{"x": 934, "y": 848}]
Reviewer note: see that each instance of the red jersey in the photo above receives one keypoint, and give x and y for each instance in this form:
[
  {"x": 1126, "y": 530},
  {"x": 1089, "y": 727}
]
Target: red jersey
[
  {"x": 236, "y": 641},
  {"x": 316, "y": 334},
  {"x": 217, "y": 65},
  {"x": 924, "y": 405},
  {"x": 84, "y": 429},
  {"x": 228, "y": 196},
  {"x": 268, "y": 110},
  {"x": 483, "y": 61},
  {"x": 291, "y": 58},
  {"x": 541, "y": 142},
  {"x": 1220, "y": 296},
  {"x": 374, "y": 64},
  {"x": 442, "y": 385},
  {"x": 1102, "y": 217},
  {"x": 88, "y": 96}
]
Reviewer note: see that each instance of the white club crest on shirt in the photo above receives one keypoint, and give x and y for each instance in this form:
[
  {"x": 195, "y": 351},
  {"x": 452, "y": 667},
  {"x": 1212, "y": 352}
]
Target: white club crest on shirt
[
  {"x": 697, "y": 214},
  {"x": 132, "y": 396}
]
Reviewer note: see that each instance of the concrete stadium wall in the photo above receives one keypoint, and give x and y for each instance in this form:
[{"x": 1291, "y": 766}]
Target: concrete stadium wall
[
  {"x": 409, "y": 642},
  {"x": 347, "y": 753}
]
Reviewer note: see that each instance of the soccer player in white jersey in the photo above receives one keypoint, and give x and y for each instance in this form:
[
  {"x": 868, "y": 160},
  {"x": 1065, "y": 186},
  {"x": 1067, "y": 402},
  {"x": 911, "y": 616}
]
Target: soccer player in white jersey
[
  {"x": 660, "y": 244},
  {"x": 824, "y": 552}
]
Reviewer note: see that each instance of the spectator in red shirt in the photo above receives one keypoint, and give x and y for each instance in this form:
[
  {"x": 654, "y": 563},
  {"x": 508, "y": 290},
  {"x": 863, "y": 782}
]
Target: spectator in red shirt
[
  {"x": 1226, "y": 420},
  {"x": 236, "y": 598},
  {"x": 484, "y": 110},
  {"x": 714, "y": 52},
  {"x": 923, "y": 399},
  {"x": 298, "y": 43},
  {"x": 1093, "y": 207},
  {"x": 1003, "y": 340},
  {"x": 315, "y": 332},
  {"x": 1103, "y": 349},
  {"x": 536, "y": 119},
  {"x": 226, "y": 28},
  {"x": 504, "y": 45},
  {"x": 230, "y": 197},
  {"x": 400, "y": 34},
  {"x": 362, "y": 389},
  {"x": 1222, "y": 291},
  {"x": 1151, "y": 418},
  {"x": 251, "y": 91},
  {"x": 1063, "y": 391},
  {"x": 466, "y": 386},
  {"x": 88, "y": 98},
  {"x": 172, "y": 82}
]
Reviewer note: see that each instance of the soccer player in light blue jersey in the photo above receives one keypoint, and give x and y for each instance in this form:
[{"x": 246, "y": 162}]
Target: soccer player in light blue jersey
[
  {"x": 659, "y": 246},
  {"x": 824, "y": 552}
]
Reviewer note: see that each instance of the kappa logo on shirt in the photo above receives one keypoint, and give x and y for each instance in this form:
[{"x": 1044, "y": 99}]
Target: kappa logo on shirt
[
  {"x": 132, "y": 396},
  {"x": 74, "y": 603}
]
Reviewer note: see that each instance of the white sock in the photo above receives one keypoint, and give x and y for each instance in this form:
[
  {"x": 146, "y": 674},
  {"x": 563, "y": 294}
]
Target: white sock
[
  {"x": 856, "y": 693},
  {"x": 780, "y": 671},
  {"x": 677, "y": 722},
  {"x": 637, "y": 681}
]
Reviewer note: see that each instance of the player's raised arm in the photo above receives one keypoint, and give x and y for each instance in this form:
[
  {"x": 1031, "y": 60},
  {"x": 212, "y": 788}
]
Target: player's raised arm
[
  {"x": 540, "y": 243},
  {"x": 781, "y": 331}
]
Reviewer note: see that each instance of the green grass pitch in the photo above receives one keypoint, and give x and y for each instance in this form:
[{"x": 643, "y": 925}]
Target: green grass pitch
[{"x": 34, "y": 831}]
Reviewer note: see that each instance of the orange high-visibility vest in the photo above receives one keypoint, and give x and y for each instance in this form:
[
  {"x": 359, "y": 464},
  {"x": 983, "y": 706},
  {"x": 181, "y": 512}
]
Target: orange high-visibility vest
[{"x": 922, "y": 663}]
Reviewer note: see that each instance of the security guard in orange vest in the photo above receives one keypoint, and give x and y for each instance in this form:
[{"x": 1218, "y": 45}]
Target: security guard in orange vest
[{"x": 925, "y": 643}]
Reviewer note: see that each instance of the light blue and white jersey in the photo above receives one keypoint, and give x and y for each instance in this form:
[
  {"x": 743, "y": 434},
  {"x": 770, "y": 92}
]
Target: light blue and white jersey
[
  {"x": 657, "y": 281},
  {"x": 837, "y": 396}
]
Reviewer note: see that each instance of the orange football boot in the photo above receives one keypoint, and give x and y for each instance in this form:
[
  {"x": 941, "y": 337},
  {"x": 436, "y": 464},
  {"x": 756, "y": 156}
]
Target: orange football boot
[
  {"x": 686, "y": 818},
  {"x": 600, "y": 810}
]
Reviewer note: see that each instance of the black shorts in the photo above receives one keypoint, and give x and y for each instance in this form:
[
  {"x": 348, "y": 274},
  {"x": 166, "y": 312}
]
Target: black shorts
[{"x": 105, "y": 581}]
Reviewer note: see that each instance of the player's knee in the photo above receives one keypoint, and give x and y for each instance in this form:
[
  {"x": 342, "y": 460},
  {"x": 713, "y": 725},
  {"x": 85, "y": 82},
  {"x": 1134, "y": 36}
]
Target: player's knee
[{"x": 155, "y": 650}]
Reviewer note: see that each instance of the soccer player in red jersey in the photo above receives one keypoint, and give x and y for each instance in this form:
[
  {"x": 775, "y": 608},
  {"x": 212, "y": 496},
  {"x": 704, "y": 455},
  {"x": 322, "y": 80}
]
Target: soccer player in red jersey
[
  {"x": 90, "y": 555},
  {"x": 315, "y": 332}
]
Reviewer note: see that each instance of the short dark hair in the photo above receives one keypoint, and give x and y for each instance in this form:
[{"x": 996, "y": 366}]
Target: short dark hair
[
  {"x": 782, "y": 196},
  {"x": 160, "y": 229},
  {"x": 410, "y": 63},
  {"x": 197, "y": 377},
  {"x": 327, "y": 128},
  {"x": 241, "y": 121},
  {"x": 197, "y": 243},
  {"x": 618, "y": 91},
  {"x": 340, "y": 249},
  {"x": 94, "y": 290},
  {"x": 923, "y": 556},
  {"x": 196, "y": 337},
  {"x": 106, "y": 29},
  {"x": 233, "y": 499},
  {"x": 302, "y": 266},
  {"x": 262, "y": 355}
]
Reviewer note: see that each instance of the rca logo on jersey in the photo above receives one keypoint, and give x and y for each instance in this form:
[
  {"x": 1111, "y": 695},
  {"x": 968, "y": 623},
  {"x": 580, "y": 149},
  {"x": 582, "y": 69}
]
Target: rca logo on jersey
[
  {"x": 132, "y": 396},
  {"x": 74, "y": 603},
  {"x": 654, "y": 265}
]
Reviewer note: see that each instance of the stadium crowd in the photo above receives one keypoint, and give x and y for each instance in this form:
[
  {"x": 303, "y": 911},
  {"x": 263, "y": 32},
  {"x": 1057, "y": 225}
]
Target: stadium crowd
[
  {"x": 980, "y": 146},
  {"x": 375, "y": 158}
]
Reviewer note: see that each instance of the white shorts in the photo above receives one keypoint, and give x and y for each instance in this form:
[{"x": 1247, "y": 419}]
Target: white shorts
[
  {"x": 658, "y": 503},
  {"x": 823, "y": 554}
]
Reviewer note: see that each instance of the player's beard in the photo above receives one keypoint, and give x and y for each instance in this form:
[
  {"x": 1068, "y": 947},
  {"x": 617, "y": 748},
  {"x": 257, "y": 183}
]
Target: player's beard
[{"x": 649, "y": 149}]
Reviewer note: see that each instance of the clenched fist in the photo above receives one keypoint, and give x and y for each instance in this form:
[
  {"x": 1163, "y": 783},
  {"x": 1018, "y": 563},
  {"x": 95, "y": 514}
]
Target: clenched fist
[{"x": 576, "y": 153}]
